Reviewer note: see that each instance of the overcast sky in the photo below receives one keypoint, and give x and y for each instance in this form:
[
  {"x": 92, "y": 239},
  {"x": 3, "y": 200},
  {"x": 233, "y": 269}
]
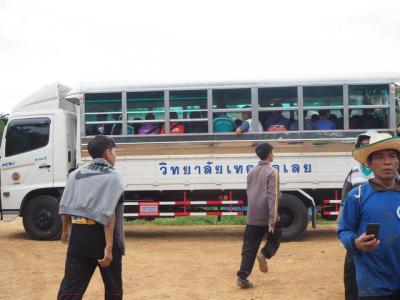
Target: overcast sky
[{"x": 72, "y": 41}]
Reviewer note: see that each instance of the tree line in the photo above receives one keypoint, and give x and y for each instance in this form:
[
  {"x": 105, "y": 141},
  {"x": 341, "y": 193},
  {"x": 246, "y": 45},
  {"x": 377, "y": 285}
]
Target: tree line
[{"x": 3, "y": 122}]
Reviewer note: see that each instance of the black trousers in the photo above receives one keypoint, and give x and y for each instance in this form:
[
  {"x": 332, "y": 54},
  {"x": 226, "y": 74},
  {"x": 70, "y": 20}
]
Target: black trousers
[
  {"x": 349, "y": 276},
  {"x": 253, "y": 236},
  {"x": 79, "y": 270}
]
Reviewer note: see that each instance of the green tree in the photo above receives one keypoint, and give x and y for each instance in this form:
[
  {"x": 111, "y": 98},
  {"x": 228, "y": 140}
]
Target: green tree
[{"x": 3, "y": 122}]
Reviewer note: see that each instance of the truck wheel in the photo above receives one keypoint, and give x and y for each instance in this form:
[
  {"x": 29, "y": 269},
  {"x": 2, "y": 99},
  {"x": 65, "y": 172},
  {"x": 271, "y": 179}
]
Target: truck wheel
[
  {"x": 41, "y": 219},
  {"x": 293, "y": 216}
]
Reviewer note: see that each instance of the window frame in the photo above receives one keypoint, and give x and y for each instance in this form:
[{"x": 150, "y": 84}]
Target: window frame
[
  {"x": 210, "y": 92},
  {"x": 27, "y": 122},
  {"x": 388, "y": 107}
]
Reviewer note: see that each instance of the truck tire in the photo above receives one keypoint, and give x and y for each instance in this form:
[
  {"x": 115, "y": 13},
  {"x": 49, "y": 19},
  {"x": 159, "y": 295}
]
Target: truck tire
[
  {"x": 41, "y": 220},
  {"x": 294, "y": 218}
]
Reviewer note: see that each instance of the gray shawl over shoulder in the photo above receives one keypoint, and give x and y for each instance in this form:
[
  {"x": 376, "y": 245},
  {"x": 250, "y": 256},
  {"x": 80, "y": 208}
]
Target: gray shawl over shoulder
[{"x": 92, "y": 192}]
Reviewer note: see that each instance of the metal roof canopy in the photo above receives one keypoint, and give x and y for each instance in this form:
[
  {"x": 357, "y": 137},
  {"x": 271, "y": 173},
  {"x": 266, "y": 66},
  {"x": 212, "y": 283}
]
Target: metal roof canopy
[{"x": 350, "y": 79}]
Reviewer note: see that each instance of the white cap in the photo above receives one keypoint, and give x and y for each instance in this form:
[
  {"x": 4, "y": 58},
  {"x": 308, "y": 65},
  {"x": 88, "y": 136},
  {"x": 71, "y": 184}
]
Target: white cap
[{"x": 369, "y": 133}]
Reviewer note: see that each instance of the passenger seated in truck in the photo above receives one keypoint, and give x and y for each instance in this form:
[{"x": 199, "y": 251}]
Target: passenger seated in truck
[
  {"x": 314, "y": 118},
  {"x": 136, "y": 126},
  {"x": 276, "y": 122},
  {"x": 117, "y": 128},
  {"x": 151, "y": 127},
  {"x": 324, "y": 123},
  {"x": 247, "y": 121},
  {"x": 338, "y": 122},
  {"x": 238, "y": 122},
  {"x": 308, "y": 121},
  {"x": 196, "y": 127},
  {"x": 175, "y": 127},
  {"x": 91, "y": 129},
  {"x": 368, "y": 120},
  {"x": 100, "y": 128},
  {"x": 294, "y": 126}
]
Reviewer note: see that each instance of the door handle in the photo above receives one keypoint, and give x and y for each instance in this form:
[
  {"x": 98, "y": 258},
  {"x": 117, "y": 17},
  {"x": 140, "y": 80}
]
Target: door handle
[{"x": 44, "y": 166}]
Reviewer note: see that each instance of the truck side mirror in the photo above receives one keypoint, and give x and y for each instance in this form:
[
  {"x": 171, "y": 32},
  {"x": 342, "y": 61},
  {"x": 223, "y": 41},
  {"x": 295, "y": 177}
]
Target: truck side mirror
[{"x": 74, "y": 98}]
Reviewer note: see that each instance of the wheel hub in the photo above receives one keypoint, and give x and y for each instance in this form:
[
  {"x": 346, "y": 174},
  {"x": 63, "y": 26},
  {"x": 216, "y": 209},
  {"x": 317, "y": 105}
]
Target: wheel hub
[
  {"x": 43, "y": 219},
  {"x": 286, "y": 218}
]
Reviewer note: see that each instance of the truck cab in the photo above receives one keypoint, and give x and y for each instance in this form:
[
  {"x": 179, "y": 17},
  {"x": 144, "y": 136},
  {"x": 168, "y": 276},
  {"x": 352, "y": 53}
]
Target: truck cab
[{"x": 37, "y": 153}]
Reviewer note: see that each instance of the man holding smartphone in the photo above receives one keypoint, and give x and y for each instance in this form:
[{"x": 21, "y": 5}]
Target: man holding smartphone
[
  {"x": 377, "y": 261},
  {"x": 358, "y": 175}
]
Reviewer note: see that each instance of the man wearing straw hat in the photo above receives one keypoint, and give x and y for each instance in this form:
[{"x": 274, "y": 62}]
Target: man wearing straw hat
[
  {"x": 358, "y": 175},
  {"x": 377, "y": 260}
]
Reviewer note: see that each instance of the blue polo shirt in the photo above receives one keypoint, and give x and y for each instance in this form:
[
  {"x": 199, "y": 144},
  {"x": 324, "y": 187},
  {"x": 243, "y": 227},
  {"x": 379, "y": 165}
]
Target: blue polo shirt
[
  {"x": 324, "y": 124},
  {"x": 377, "y": 271}
]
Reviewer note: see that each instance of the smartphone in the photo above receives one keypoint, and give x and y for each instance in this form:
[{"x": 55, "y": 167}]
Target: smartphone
[{"x": 373, "y": 228}]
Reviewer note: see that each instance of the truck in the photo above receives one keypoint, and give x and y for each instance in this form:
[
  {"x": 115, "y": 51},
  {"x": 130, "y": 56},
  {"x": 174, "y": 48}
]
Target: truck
[{"x": 201, "y": 169}]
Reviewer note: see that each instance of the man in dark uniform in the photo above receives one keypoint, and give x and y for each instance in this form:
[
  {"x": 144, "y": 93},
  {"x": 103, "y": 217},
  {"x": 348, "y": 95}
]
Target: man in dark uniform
[{"x": 91, "y": 209}]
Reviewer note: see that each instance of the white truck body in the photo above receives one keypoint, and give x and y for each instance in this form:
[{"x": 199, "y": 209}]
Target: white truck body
[{"x": 159, "y": 169}]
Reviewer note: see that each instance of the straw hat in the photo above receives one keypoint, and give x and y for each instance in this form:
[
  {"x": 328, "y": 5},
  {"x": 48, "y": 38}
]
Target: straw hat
[{"x": 377, "y": 142}]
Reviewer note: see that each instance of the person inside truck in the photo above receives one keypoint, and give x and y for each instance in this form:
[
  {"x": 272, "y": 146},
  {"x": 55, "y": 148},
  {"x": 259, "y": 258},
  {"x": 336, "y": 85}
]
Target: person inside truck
[
  {"x": 149, "y": 127},
  {"x": 136, "y": 126},
  {"x": 309, "y": 119},
  {"x": 324, "y": 123},
  {"x": 275, "y": 121},
  {"x": 103, "y": 128},
  {"x": 175, "y": 127},
  {"x": 246, "y": 124},
  {"x": 368, "y": 120},
  {"x": 100, "y": 128},
  {"x": 117, "y": 127},
  {"x": 196, "y": 127}
]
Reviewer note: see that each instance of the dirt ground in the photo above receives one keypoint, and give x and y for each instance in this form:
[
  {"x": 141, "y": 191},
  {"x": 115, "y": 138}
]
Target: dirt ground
[{"x": 169, "y": 262}]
